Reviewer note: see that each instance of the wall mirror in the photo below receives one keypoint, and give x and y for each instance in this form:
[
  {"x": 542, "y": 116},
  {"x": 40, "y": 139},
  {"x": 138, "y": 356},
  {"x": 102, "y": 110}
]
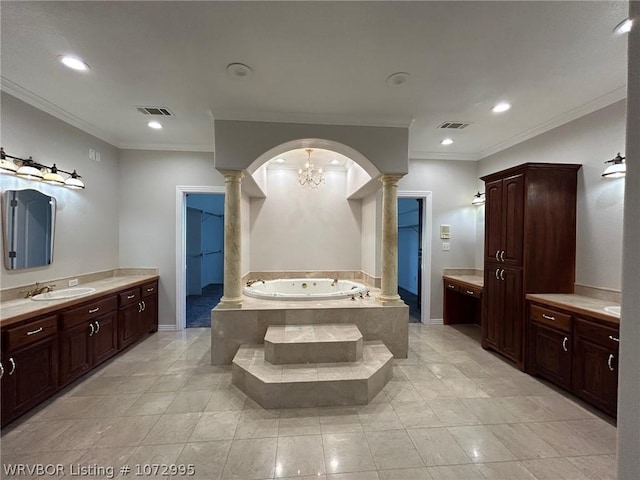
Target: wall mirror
[{"x": 28, "y": 221}]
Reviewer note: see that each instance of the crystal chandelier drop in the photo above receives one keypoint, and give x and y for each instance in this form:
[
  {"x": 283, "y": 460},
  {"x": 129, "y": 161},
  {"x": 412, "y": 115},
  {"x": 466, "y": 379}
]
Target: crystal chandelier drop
[{"x": 309, "y": 176}]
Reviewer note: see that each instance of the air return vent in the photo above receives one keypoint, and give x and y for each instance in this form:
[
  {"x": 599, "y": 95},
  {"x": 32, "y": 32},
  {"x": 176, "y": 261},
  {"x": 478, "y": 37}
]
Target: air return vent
[
  {"x": 158, "y": 111},
  {"x": 454, "y": 125}
]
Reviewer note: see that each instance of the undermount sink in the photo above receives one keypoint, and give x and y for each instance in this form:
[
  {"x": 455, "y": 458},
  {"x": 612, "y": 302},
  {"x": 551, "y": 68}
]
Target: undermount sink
[
  {"x": 62, "y": 294},
  {"x": 613, "y": 310}
]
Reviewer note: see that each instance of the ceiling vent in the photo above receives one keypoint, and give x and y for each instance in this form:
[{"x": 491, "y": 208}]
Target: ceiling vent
[
  {"x": 158, "y": 111},
  {"x": 454, "y": 125}
]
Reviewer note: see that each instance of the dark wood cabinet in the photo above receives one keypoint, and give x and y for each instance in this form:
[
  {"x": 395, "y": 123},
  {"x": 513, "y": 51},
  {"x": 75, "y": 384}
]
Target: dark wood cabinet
[
  {"x": 138, "y": 313},
  {"x": 462, "y": 302},
  {"x": 149, "y": 312},
  {"x": 530, "y": 218},
  {"x": 29, "y": 366},
  {"x": 595, "y": 370}
]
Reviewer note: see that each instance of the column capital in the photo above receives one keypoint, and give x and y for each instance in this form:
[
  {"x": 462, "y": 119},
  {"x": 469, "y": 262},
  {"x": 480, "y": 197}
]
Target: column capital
[
  {"x": 391, "y": 179},
  {"x": 232, "y": 175}
]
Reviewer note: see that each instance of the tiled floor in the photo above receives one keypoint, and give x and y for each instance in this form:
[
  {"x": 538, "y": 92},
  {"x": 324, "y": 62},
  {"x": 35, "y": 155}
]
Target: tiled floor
[{"x": 452, "y": 411}]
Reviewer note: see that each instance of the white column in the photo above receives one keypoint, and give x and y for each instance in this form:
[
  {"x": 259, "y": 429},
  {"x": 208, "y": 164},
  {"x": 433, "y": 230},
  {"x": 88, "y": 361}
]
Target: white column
[
  {"x": 629, "y": 365},
  {"x": 389, "y": 291},
  {"x": 232, "y": 293}
]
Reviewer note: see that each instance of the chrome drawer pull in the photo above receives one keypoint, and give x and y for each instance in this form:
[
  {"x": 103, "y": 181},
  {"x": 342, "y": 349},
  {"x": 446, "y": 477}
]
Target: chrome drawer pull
[
  {"x": 502, "y": 274},
  {"x": 469, "y": 292},
  {"x": 139, "y": 307},
  {"x": 97, "y": 326},
  {"x": 502, "y": 256},
  {"x": 33, "y": 332},
  {"x": 609, "y": 362},
  {"x": 150, "y": 289},
  {"x": 93, "y": 329},
  {"x": 497, "y": 274},
  {"x": 497, "y": 253},
  {"x": 1, "y": 370},
  {"x": 611, "y": 337},
  {"x": 144, "y": 306},
  {"x": 13, "y": 366},
  {"x": 548, "y": 317},
  {"x": 451, "y": 286},
  {"x": 129, "y": 297},
  {"x": 564, "y": 344},
  {"x": 94, "y": 310}
]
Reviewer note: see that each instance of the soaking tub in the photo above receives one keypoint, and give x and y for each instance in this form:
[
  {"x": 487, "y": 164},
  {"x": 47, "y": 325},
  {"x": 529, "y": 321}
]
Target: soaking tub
[{"x": 304, "y": 289}]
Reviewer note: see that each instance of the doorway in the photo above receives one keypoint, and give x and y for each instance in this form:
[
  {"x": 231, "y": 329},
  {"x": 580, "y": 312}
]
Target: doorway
[
  {"x": 204, "y": 256},
  {"x": 414, "y": 253}
]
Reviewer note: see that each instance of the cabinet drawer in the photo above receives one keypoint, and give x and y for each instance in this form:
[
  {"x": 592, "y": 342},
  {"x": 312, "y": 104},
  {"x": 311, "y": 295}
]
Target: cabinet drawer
[
  {"x": 607, "y": 337},
  {"x": 552, "y": 318},
  {"x": 30, "y": 332},
  {"x": 89, "y": 311},
  {"x": 471, "y": 291},
  {"x": 129, "y": 297},
  {"x": 451, "y": 286},
  {"x": 149, "y": 289}
]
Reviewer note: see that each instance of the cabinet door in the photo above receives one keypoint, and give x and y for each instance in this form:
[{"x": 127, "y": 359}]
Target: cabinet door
[
  {"x": 512, "y": 219},
  {"x": 75, "y": 353},
  {"x": 149, "y": 314},
  {"x": 31, "y": 375},
  {"x": 550, "y": 353},
  {"x": 105, "y": 338},
  {"x": 493, "y": 306},
  {"x": 512, "y": 325},
  {"x": 493, "y": 240},
  {"x": 129, "y": 325}
]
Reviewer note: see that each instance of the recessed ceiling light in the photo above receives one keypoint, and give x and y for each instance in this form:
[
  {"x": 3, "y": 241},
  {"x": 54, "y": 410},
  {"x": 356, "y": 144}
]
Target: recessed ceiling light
[
  {"x": 398, "y": 78},
  {"x": 74, "y": 63},
  {"x": 238, "y": 70},
  {"x": 335, "y": 161},
  {"x": 624, "y": 26},
  {"x": 446, "y": 141},
  {"x": 155, "y": 125},
  {"x": 280, "y": 160},
  {"x": 501, "y": 107}
]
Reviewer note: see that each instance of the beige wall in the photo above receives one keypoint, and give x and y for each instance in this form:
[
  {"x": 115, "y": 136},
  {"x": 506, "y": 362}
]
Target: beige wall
[
  {"x": 589, "y": 140},
  {"x": 86, "y": 230},
  {"x": 371, "y": 244},
  {"x": 147, "y": 193}
]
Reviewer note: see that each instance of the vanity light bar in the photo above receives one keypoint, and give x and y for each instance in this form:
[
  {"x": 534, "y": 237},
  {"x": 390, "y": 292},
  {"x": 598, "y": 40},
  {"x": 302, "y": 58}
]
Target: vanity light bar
[{"x": 32, "y": 170}]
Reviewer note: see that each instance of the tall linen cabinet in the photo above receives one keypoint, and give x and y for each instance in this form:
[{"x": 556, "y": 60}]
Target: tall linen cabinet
[{"x": 530, "y": 247}]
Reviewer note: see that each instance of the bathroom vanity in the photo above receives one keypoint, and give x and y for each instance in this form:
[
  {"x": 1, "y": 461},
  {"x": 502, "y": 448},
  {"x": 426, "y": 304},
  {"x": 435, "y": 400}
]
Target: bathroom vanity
[
  {"x": 462, "y": 302},
  {"x": 573, "y": 342},
  {"x": 48, "y": 344}
]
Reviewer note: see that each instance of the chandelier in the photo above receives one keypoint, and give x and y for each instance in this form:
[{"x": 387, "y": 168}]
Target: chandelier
[{"x": 309, "y": 176}]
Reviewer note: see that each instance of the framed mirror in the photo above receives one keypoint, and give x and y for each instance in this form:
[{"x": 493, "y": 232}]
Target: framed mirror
[{"x": 28, "y": 221}]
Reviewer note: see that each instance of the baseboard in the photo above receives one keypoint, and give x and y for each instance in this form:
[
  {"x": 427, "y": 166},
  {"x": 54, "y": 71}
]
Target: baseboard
[
  {"x": 435, "y": 321},
  {"x": 167, "y": 328}
]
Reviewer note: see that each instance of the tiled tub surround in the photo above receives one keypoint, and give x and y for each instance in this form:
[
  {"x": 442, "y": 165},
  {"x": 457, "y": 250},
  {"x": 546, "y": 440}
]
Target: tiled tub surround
[
  {"x": 451, "y": 411},
  {"x": 356, "y": 275},
  {"x": 15, "y": 308},
  {"x": 248, "y": 325}
]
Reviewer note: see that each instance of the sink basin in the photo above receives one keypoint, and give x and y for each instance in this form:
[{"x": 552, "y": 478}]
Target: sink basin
[
  {"x": 62, "y": 294},
  {"x": 614, "y": 310}
]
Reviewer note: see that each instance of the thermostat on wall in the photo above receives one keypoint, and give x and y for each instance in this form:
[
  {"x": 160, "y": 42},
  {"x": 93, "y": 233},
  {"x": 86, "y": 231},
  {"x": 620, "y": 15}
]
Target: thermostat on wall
[{"x": 445, "y": 231}]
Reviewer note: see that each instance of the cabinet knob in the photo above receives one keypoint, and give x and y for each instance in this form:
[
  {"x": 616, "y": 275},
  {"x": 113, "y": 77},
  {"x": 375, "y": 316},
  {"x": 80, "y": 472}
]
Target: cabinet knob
[
  {"x": 13, "y": 366},
  {"x": 609, "y": 360},
  {"x": 564, "y": 344},
  {"x": 92, "y": 329}
]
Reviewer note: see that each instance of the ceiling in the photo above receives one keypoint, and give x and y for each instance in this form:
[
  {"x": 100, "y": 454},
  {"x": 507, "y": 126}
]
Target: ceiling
[
  {"x": 317, "y": 62},
  {"x": 319, "y": 158}
]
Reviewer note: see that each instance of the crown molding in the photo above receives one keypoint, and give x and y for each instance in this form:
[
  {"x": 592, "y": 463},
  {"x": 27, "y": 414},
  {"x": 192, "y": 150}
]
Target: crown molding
[
  {"x": 311, "y": 118},
  {"x": 40, "y": 103},
  {"x": 573, "y": 114},
  {"x": 417, "y": 155},
  {"x": 169, "y": 147}
]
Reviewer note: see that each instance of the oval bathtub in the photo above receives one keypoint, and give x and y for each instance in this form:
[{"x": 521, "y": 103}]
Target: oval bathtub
[{"x": 304, "y": 289}]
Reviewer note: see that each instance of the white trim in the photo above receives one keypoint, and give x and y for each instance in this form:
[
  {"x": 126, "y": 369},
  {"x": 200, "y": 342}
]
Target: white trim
[
  {"x": 436, "y": 321},
  {"x": 167, "y": 328},
  {"x": 427, "y": 227},
  {"x": 444, "y": 156},
  {"x": 169, "y": 147},
  {"x": 181, "y": 247}
]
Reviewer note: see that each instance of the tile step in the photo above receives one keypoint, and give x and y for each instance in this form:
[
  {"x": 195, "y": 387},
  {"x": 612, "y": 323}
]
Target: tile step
[
  {"x": 312, "y": 385},
  {"x": 320, "y": 343}
]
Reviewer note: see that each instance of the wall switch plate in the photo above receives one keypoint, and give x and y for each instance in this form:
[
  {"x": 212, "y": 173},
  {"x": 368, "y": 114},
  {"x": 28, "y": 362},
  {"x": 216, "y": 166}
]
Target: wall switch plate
[
  {"x": 445, "y": 231},
  {"x": 446, "y": 246},
  {"x": 73, "y": 282},
  {"x": 92, "y": 154},
  {"x": 98, "y": 156}
]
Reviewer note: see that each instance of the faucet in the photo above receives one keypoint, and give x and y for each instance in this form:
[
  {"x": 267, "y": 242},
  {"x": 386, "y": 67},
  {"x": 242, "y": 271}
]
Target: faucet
[
  {"x": 37, "y": 290},
  {"x": 335, "y": 280},
  {"x": 251, "y": 282}
]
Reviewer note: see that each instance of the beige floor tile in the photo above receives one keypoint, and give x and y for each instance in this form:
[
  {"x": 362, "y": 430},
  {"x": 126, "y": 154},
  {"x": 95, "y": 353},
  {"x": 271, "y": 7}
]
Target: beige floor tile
[
  {"x": 128, "y": 431},
  {"x": 417, "y": 415},
  {"x": 437, "y": 446},
  {"x": 260, "y": 428},
  {"x": 445, "y": 370},
  {"x": 452, "y": 412},
  {"x": 151, "y": 404},
  {"x": 304, "y": 421},
  {"x": 172, "y": 428},
  {"x": 215, "y": 426},
  {"x": 456, "y": 472},
  {"x": 464, "y": 388},
  {"x": 114, "y": 457},
  {"x": 433, "y": 389},
  {"x": 498, "y": 387},
  {"x": 554, "y": 469},
  {"x": 207, "y": 458},
  {"x": 251, "y": 459},
  {"x": 204, "y": 381},
  {"x": 171, "y": 382},
  {"x": 136, "y": 384},
  {"x": 97, "y": 386},
  {"x": 488, "y": 411},
  {"x": 68, "y": 407},
  {"x": 562, "y": 408},
  {"x": 505, "y": 471},
  {"x": 420, "y": 473},
  {"x": 418, "y": 373},
  {"x": 379, "y": 416},
  {"x": 188, "y": 402},
  {"x": 523, "y": 442},
  {"x": 393, "y": 449},
  {"x": 339, "y": 420},
  {"x": 567, "y": 441},
  {"x": 600, "y": 467},
  {"x": 525, "y": 409},
  {"x": 114, "y": 405},
  {"x": 353, "y": 476},
  {"x": 301, "y": 455},
  {"x": 347, "y": 452},
  {"x": 155, "y": 454},
  {"x": 480, "y": 444},
  {"x": 82, "y": 434},
  {"x": 224, "y": 399}
]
